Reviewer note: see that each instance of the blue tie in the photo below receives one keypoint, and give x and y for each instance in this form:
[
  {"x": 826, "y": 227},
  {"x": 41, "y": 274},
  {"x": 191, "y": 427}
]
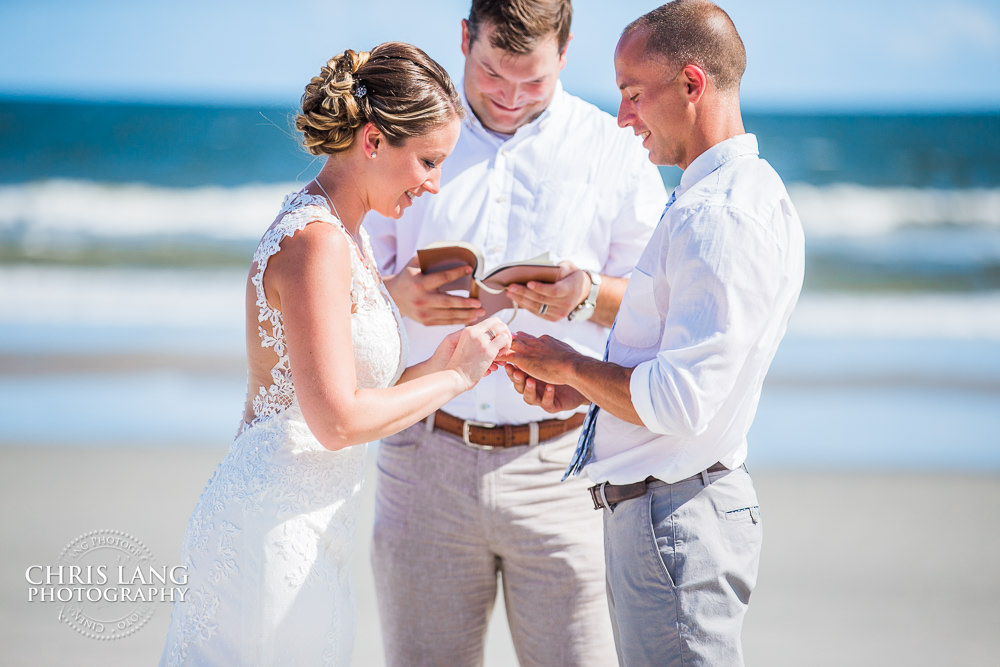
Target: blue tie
[{"x": 585, "y": 445}]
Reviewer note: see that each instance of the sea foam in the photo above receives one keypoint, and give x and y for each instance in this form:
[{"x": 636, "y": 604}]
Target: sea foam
[
  {"x": 213, "y": 299},
  {"x": 58, "y": 211}
]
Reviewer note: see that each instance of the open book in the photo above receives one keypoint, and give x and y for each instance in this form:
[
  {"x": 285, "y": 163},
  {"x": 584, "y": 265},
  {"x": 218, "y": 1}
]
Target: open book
[{"x": 488, "y": 286}]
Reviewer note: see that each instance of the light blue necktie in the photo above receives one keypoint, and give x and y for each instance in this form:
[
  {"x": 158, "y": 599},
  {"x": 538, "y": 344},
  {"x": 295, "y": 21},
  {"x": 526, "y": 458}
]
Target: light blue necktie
[{"x": 585, "y": 445}]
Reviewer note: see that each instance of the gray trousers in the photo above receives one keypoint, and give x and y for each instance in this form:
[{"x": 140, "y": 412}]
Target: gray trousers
[
  {"x": 682, "y": 561},
  {"x": 450, "y": 519}
]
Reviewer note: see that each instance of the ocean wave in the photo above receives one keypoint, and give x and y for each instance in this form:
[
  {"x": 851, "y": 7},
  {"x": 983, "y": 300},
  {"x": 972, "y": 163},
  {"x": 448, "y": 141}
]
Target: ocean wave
[
  {"x": 105, "y": 210},
  {"x": 855, "y": 210},
  {"x": 92, "y": 223},
  {"x": 962, "y": 316},
  {"x": 122, "y": 309},
  {"x": 54, "y": 211},
  {"x": 210, "y": 302}
]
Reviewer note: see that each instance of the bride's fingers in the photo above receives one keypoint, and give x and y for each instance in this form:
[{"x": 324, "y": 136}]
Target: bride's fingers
[
  {"x": 496, "y": 331},
  {"x": 499, "y": 344}
]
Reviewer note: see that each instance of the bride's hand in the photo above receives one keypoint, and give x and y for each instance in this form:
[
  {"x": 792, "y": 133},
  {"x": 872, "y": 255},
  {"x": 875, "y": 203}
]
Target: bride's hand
[{"x": 475, "y": 348}]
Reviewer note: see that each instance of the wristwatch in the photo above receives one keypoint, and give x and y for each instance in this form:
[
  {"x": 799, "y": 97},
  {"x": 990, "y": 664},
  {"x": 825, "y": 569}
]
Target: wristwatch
[{"x": 585, "y": 310}]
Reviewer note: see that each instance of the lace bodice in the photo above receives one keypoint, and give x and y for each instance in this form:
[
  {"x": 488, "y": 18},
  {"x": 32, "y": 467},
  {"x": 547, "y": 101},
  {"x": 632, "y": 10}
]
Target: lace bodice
[
  {"x": 376, "y": 326},
  {"x": 268, "y": 547}
]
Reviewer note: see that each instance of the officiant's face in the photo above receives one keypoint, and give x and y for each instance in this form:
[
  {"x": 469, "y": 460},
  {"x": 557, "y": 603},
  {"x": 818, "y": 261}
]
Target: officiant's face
[{"x": 507, "y": 90}]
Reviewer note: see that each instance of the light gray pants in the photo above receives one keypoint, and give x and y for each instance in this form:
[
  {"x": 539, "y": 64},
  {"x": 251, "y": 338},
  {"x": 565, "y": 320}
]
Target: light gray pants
[
  {"x": 682, "y": 561},
  {"x": 450, "y": 518}
]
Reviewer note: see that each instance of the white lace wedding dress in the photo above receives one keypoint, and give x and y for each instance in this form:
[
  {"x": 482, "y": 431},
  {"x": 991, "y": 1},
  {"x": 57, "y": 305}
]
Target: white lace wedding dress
[{"x": 269, "y": 546}]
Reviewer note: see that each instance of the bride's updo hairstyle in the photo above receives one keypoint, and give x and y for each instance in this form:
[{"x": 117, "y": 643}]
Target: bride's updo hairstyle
[{"x": 396, "y": 87}]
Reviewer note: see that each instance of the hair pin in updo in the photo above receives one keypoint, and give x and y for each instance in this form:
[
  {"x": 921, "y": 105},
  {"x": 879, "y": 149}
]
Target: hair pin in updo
[{"x": 360, "y": 90}]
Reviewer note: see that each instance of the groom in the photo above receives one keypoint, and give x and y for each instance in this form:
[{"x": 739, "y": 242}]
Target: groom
[
  {"x": 704, "y": 312},
  {"x": 473, "y": 495}
]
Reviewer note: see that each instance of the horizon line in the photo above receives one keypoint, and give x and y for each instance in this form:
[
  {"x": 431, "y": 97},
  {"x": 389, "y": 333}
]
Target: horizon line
[{"x": 607, "y": 104}]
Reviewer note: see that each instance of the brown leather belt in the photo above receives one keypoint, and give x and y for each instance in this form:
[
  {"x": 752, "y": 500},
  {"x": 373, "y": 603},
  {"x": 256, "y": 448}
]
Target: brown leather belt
[
  {"x": 482, "y": 434},
  {"x": 609, "y": 495}
]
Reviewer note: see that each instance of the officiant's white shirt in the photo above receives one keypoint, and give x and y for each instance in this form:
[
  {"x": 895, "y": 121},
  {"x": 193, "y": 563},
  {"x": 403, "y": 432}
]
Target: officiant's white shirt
[{"x": 571, "y": 183}]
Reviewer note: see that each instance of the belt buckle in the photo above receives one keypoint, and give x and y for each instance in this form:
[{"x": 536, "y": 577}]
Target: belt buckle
[
  {"x": 597, "y": 494},
  {"x": 465, "y": 433}
]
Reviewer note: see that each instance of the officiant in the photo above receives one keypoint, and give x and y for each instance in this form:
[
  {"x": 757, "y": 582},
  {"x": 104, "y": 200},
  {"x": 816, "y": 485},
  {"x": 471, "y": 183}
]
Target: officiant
[{"x": 474, "y": 491}]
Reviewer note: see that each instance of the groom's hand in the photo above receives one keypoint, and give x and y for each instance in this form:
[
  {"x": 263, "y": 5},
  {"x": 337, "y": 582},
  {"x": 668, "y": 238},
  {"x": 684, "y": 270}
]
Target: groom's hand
[
  {"x": 417, "y": 296},
  {"x": 549, "y": 397}
]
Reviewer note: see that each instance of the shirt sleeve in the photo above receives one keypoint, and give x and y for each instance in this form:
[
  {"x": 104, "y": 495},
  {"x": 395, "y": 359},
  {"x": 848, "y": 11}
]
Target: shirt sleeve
[
  {"x": 641, "y": 203},
  {"x": 382, "y": 234},
  {"x": 716, "y": 285}
]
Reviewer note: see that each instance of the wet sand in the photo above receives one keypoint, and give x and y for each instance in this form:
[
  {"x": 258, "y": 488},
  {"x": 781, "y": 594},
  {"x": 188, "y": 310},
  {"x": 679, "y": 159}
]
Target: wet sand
[{"x": 859, "y": 568}]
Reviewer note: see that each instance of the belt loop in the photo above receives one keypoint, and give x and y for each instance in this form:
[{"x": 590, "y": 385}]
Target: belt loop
[
  {"x": 508, "y": 435},
  {"x": 704, "y": 477},
  {"x": 430, "y": 421},
  {"x": 604, "y": 497},
  {"x": 533, "y": 433}
]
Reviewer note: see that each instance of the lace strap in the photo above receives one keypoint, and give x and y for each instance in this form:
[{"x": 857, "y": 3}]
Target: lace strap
[
  {"x": 297, "y": 211},
  {"x": 367, "y": 293}
]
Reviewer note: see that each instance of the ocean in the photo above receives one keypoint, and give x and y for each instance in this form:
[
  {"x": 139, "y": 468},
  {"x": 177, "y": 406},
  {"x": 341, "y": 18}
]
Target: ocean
[{"x": 126, "y": 233}]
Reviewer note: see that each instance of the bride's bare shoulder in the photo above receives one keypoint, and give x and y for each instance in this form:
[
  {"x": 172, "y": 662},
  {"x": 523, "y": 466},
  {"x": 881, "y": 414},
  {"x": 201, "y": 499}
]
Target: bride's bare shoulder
[{"x": 317, "y": 252}]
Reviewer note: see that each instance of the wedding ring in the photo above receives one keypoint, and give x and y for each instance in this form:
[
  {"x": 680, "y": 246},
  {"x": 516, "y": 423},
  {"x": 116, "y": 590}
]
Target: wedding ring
[
  {"x": 541, "y": 309},
  {"x": 491, "y": 333}
]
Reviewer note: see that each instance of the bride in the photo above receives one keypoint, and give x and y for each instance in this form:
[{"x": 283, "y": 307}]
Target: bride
[{"x": 268, "y": 547}]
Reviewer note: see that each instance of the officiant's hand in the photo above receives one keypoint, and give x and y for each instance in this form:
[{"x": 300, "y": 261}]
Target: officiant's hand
[
  {"x": 553, "y": 301},
  {"x": 417, "y": 296}
]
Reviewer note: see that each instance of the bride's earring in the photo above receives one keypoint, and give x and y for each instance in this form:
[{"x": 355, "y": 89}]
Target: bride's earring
[{"x": 373, "y": 153}]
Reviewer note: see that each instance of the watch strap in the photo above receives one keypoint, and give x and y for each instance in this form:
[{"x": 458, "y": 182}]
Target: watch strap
[{"x": 586, "y": 308}]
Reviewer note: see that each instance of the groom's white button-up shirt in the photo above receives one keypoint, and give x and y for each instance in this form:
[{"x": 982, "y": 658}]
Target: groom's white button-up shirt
[
  {"x": 571, "y": 183},
  {"x": 701, "y": 320}
]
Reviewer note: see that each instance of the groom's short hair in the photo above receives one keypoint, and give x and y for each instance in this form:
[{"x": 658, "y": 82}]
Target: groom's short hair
[
  {"x": 698, "y": 32},
  {"x": 520, "y": 25}
]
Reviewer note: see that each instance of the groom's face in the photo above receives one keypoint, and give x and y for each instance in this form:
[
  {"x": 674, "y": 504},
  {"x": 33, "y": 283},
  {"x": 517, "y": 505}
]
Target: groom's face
[
  {"x": 655, "y": 102},
  {"x": 508, "y": 90}
]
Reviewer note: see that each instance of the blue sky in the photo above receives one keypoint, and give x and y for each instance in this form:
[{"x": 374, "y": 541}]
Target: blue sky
[{"x": 847, "y": 55}]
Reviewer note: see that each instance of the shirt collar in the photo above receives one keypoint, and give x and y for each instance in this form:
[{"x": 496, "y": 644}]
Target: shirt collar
[
  {"x": 716, "y": 156},
  {"x": 556, "y": 104}
]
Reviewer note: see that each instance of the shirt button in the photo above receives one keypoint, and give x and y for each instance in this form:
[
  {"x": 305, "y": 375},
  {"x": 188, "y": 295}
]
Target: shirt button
[
  {"x": 501, "y": 199},
  {"x": 484, "y": 406}
]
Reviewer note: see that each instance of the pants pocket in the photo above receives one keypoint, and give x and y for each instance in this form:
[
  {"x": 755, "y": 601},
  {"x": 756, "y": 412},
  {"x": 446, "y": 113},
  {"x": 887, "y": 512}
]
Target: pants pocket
[
  {"x": 750, "y": 513},
  {"x": 661, "y": 533}
]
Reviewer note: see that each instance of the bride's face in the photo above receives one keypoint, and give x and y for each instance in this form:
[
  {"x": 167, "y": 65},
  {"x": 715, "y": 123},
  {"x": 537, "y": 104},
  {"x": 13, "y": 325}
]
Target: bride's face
[{"x": 407, "y": 171}]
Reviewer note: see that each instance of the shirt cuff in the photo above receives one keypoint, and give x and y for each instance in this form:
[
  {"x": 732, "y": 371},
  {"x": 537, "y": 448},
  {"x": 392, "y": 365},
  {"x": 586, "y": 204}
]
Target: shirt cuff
[{"x": 642, "y": 399}]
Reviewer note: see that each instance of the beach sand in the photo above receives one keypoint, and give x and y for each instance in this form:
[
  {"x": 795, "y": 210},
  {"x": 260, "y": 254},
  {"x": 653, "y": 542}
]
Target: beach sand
[{"x": 859, "y": 568}]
